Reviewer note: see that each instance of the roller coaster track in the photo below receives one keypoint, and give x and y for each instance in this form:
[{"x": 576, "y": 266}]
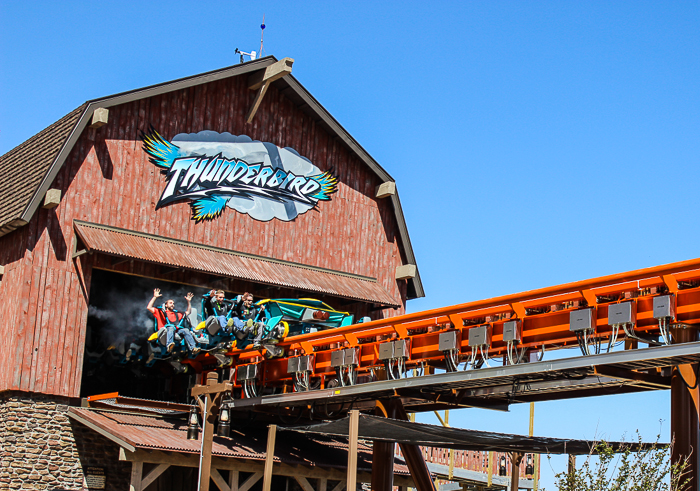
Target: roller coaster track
[{"x": 347, "y": 364}]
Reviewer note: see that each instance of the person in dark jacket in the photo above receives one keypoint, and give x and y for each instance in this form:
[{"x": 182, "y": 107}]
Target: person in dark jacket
[{"x": 244, "y": 315}]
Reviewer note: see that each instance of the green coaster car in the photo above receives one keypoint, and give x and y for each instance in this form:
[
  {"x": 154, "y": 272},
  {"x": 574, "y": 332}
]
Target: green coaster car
[{"x": 288, "y": 317}]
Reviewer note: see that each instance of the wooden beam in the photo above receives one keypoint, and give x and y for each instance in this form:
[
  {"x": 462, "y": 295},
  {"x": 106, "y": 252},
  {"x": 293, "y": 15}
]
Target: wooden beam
[
  {"x": 269, "y": 457},
  {"x": 153, "y": 475},
  {"x": 271, "y": 73},
  {"x": 250, "y": 482},
  {"x": 99, "y": 117},
  {"x": 233, "y": 480},
  {"x": 351, "y": 483},
  {"x": 219, "y": 481},
  {"x": 244, "y": 465},
  {"x": 211, "y": 389},
  {"x": 261, "y": 82},
  {"x": 136, "y": 473},
  {"x": 304, "y": 483},
  {"x": 340, "y": 486},
  {"x": 323, "y": 484}
]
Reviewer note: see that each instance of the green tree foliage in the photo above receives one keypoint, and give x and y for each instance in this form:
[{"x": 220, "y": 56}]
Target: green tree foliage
[{"x": 649, "y": 469}]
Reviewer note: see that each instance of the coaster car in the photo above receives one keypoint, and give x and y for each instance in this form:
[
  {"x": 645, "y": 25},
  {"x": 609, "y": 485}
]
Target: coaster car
[{"x": 288, "y": 317}]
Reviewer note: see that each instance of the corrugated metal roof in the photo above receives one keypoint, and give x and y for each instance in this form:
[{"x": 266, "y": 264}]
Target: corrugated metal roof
[
  {"x": 156, "y": 433},
  {"x": 188, "y": 255}
]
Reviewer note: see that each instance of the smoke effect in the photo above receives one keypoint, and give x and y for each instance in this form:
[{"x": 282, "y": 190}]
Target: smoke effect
[{"x": 117, "y": 314}]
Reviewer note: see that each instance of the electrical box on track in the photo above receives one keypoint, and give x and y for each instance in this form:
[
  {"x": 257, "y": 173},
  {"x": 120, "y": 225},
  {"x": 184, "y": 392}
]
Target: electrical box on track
[
  {"x": 247, "y": 372},
  {"x": 513, "y": 331},
  {"x": 393, "y": 349},
  {"x": 664, "y": 307},
  {"x": 480, "y": 336},
  {"x": 447, "y": 341},
  {"x": 344, "y": 357},
  {"x": 299, "y": 364},
  {"x": 621, "y": 313},
  {"x": 582, "y": 320}
]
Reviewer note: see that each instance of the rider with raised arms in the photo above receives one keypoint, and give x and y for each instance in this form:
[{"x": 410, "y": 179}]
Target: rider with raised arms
[{"x": 168, "y": 317}]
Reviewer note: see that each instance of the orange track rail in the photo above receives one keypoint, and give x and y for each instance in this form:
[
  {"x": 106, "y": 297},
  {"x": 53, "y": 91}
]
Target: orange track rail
[{"x": 544, "y": 314}]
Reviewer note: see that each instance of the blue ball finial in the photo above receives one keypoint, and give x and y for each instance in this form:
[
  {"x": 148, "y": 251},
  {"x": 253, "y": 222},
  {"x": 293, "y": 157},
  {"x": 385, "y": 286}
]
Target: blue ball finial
[{"x": 262, "y": 26}]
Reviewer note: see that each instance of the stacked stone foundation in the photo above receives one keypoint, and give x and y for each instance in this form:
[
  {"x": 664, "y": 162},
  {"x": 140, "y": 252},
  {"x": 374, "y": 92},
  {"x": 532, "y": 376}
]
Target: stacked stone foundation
[{"x": 42, "y": 448}]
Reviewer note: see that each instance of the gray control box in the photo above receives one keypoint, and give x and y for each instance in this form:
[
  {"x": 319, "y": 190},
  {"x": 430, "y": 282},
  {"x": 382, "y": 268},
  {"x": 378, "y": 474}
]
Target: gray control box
[
  {"x": 350, "y": 356},
  {"x": 480, "y": 336},
  {"x": 621, "y": 313},
  {"x": 582, "y": 320},
  {"x": 400, "y": 348},
  {"x": 344, "y": 357},
  {"x": 299, "y": 364},
  {"x": 338, "y": 358},
  {"x": 664, "y": 307},
  {"x": 447, "y": 341},
  {"x": 293, "y": 365},
  {"x": 393, "y": 349},
  {"x": 386, "y": 351},
  {"x": 512, "y": 331},
  {"x": 247, "y": 372}
]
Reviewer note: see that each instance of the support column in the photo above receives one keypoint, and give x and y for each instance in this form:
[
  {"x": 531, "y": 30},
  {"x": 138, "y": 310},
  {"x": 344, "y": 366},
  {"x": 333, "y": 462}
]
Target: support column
[
  {"x": 515, "y": 459},
  {"x": 684, "y": 414},
  {"x": 411, "y": 453},
  {"x": 383, "y": 456}
]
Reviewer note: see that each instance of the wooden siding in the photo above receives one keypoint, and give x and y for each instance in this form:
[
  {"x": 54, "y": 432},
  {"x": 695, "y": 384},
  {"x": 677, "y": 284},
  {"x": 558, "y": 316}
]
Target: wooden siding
[{"x": 108, "y": 179}]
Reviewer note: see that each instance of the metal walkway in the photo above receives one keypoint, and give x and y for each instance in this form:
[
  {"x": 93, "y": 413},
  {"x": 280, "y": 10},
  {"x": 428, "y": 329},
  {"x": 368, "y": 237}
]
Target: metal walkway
[{"x": 493, "y": 388}]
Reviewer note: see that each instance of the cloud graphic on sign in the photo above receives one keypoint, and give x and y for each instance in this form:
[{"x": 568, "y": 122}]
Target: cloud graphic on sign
[{"x": 258, "y": 202}]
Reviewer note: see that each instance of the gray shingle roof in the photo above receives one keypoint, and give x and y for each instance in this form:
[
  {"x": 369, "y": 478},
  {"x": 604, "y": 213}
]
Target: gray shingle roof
[{"x": 23, "y": 168}]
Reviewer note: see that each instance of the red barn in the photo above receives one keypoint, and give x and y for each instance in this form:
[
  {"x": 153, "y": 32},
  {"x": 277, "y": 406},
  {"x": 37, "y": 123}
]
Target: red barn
[{"x": 235, "y": 179}]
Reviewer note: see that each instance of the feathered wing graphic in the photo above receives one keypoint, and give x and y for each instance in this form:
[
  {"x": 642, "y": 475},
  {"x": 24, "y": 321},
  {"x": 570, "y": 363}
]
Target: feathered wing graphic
[
  {"x": 208, "y": 208},
  {"x": 329, "y": 185},
  {"x": 162, "y": 152}
]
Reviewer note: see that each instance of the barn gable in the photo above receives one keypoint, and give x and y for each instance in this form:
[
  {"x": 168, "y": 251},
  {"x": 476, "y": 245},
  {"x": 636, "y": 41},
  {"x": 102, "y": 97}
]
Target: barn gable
[{"x": 47, "y": 151}]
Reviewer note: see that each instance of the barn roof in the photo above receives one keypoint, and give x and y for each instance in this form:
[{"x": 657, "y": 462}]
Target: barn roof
[{"x": 27, "y": 171}]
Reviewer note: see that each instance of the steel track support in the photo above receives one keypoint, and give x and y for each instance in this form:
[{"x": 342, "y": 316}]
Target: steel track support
[
  {"x": 411, "y": 453},
  {"x": 383, "y": 455},
  {"x": 684, "y": 413}
]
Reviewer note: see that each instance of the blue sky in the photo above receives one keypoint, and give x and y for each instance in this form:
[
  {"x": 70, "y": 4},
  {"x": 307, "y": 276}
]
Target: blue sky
[{"x": 533, "y": 143}]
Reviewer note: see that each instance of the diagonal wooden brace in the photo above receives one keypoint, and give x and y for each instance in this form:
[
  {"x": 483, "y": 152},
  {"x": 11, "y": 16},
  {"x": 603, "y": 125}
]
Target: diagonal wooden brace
[{"x": 262, "y": 79}]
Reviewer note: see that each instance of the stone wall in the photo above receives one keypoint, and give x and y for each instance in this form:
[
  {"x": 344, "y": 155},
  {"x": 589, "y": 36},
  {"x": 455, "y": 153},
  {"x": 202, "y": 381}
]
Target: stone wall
[{"x": 41, "y": 448}]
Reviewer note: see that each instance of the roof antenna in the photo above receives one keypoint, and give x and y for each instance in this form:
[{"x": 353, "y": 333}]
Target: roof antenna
[
  {"x": 262, "y": 31},
  {"x": 253, "y": 54}
]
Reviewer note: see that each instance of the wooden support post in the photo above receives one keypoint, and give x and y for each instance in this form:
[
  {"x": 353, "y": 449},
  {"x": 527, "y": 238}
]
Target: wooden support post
[
  {"x": 515, "y": 459},
  {"x": 136, "y": 474},
  {"x": 537, "y": 456},
  {"x": 322, "y": 484},
  {"x": 233, "y": 480},
  {"x": 571, "y": 468},
  {"x": 412, "y": 453},
  {"x": 208, "y": 436},
  {"x": 269, "y": 457},
  {"x": 383, "y": 453},
  {"x": 489, "y": 470},
  {"x": 351, "y": 483},
  {"x": 684, "y": 414}
]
